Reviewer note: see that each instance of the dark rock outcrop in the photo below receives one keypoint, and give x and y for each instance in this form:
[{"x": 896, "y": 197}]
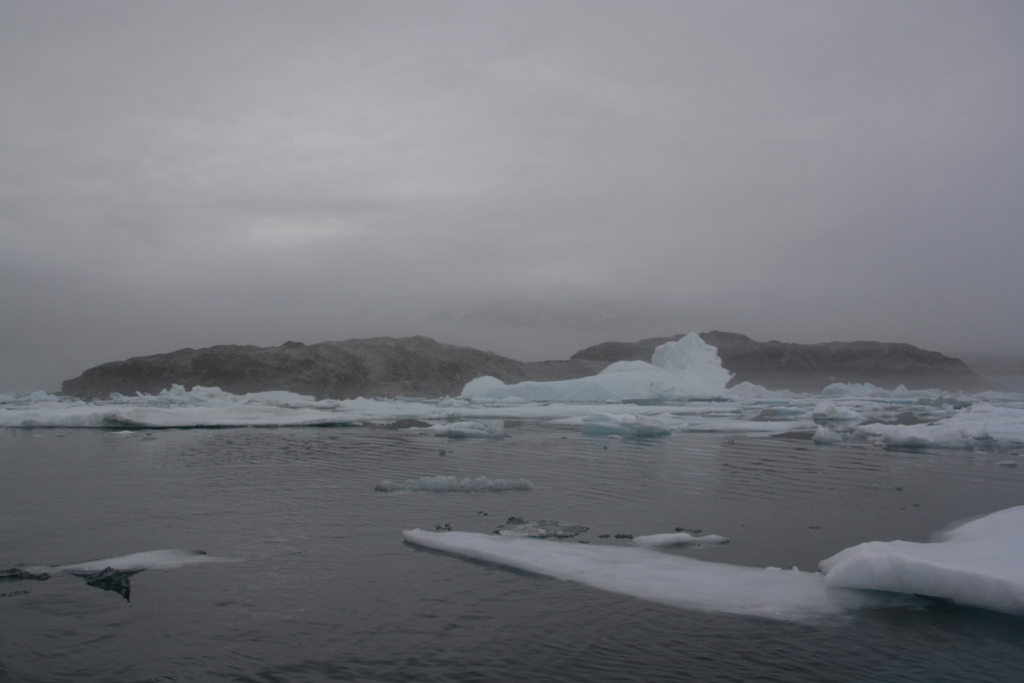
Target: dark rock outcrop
[
  {"x": 377, "y": 367},
  {"x": 812, "y": 367}
]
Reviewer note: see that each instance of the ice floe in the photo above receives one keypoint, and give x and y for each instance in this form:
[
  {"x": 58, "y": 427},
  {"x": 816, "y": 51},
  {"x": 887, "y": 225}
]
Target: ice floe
[
  {"x": 976, "y": 564},
  {"x": 667, "y": 579},
  {"x": 445, "y": 483}
]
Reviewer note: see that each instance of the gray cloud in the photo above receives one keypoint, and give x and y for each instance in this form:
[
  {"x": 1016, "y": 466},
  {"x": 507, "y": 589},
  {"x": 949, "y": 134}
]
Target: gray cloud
[{"x": 182, "y": 174}]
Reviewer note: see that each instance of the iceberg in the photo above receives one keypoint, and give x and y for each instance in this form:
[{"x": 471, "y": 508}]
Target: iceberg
[
  {"x": 678, "y": 370},
  {"x": 977, "y": 564}
]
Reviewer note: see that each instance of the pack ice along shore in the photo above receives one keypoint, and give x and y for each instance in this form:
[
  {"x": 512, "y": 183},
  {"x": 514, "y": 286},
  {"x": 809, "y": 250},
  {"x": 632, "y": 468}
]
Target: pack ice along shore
[{"x": 418, "y": 366}]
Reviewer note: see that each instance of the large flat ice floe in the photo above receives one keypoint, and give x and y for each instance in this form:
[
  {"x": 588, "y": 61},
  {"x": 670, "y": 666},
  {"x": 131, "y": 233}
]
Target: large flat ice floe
[
  {"x": 978, "y": 564},
  {"x": 667, "y": 579}
]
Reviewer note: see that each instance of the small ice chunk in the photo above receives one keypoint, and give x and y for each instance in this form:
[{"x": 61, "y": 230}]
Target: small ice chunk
[
  {"x": 624, "y": 424},
  {"x": 465, "y": 430},
  {"x": 827, "y": 411},
  {"x": 823, "y": 435},
  {"x": 678, "y": 538}
]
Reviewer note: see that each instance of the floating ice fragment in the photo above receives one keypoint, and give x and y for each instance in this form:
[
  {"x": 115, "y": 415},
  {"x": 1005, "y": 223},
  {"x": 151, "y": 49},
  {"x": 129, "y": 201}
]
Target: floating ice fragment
[
  {"x": 823, "y": 435},
  {"x": 678, "y": 538},
  {"x": 464, "y": 430},
  {"x": 934, "y": 435},
  {"x": 637, "y": 426},
  {"x": 827, "y": 411}
]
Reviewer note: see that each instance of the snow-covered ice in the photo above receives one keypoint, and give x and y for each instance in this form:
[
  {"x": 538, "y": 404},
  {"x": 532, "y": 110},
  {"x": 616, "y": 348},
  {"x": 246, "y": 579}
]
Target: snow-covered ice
[
  {"x": 678, "y": 370},
  {"x": 667, "y": 579},
  {"x": 977, "y": 564}
]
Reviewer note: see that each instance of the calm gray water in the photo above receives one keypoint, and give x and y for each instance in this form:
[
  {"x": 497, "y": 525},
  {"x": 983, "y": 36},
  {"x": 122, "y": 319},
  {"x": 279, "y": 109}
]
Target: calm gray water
[{"x": 323, "y": 587}]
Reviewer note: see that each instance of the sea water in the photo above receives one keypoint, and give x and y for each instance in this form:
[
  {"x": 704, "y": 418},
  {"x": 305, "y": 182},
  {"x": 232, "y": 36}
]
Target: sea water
[{"x": 316, "y": 583}]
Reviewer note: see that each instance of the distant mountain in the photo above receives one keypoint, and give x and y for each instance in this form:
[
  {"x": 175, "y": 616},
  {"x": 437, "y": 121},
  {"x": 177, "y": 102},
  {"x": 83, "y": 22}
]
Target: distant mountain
[
  {"x": 422, "y": 367},
  {"x": 812, "y": 367},
  {"x": 376, "y": 367}
]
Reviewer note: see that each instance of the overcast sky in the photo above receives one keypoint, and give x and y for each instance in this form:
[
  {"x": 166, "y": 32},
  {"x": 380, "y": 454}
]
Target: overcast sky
[{"x": 194, "y": 173}]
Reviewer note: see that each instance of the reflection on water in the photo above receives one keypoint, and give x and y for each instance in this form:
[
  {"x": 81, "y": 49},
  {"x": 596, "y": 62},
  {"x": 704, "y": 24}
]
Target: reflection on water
[{"x": 325, "y": 588}]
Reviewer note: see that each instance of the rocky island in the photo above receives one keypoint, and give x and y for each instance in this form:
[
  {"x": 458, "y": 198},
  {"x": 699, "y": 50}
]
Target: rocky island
[{"x": 422, "y": 367}]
